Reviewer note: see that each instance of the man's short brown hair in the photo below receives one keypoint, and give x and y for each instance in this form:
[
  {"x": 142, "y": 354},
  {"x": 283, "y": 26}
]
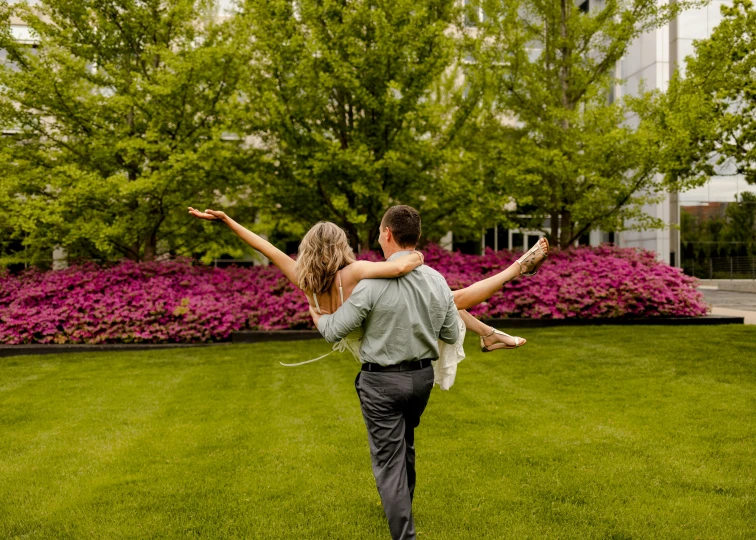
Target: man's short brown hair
[{"x": 404, "y": 223}]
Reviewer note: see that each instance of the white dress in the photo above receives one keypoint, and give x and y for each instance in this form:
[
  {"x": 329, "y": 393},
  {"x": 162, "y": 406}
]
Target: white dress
[{"x": 444, "y": 369}]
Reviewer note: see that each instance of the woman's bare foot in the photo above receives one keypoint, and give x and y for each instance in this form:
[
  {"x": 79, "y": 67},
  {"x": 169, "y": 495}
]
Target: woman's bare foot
[{"x": 499, "y": 340}]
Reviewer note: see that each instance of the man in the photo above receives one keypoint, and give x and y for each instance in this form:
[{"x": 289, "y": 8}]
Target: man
[{"x": 403, "y": 320}]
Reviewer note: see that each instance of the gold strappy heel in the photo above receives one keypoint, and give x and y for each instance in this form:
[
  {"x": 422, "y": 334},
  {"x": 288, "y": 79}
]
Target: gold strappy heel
[
  {"x": 519, "y": 342},
  {"x": 532, "y": 260}
]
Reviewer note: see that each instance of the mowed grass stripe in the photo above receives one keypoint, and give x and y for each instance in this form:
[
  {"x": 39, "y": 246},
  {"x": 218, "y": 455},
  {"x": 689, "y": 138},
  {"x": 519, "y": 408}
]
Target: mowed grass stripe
[{"x": 607, "y": 432}]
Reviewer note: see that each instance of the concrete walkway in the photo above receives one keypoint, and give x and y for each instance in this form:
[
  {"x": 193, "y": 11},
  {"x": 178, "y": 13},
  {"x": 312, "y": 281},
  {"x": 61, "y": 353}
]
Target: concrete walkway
[
  {"x": 749, "y": 317},
  {"x": 734, "y": 285},
  {"x": 739, "y": 304}
]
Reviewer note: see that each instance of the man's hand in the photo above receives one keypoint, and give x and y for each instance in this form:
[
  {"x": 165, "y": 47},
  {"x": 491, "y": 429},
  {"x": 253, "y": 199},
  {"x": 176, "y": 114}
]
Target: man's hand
[
  {"x": 210, "y": 215},
  {"x": 315, "y": 316}
]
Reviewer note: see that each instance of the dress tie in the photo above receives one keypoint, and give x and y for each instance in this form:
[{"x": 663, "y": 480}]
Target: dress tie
[{"x": 339, "y": 346}]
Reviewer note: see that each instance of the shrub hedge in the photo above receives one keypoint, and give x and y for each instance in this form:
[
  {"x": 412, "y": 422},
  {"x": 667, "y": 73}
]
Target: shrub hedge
[{"x": 178, "y": 301}]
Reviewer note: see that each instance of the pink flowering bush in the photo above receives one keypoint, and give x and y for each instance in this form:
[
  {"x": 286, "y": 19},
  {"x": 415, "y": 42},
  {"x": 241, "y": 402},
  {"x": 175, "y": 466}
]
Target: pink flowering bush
[
  {"x": 584, "y": 283},
  {"x": 171, "y": 301},
  {"x": 177, "y": 301}
]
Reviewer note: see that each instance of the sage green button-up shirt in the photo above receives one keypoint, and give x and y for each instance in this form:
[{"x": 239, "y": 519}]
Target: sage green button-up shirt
[{"x": 403, "y": 318}]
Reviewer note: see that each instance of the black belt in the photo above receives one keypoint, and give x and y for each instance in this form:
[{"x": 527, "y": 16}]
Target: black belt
[{"x": 402, "y": 366}]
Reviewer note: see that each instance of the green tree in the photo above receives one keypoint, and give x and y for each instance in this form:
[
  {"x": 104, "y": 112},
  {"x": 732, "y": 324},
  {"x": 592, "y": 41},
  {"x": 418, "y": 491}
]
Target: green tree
[
  {"x": 357, "y": 106},
  {"x": 712, "y": 120},
  {"x": 568, "y": 151},
  {"x": 701, "y": 239},
  {"x": 119, "y": 113},
  {"x": 741, "y": 224}
]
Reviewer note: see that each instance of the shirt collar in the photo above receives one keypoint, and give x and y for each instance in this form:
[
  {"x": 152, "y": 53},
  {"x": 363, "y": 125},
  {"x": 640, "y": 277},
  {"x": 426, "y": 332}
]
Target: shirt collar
[{"x": 399, "y": 254}]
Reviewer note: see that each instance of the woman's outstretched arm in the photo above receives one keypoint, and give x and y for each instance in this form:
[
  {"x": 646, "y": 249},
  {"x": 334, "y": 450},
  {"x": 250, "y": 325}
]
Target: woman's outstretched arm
[{"x": 285, "y": 263}]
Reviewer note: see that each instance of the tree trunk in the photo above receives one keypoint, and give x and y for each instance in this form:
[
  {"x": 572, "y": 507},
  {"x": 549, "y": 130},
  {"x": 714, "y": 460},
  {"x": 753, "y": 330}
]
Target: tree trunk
[
  {"x": 150, "y": 246},
  {"x": 352, "y": 235},
  {"x": 372, "y": 236},
  {"x": 565, "y": 223},
  {"x": 565, "y": 232},
  {"x": 555, "y": 227}
]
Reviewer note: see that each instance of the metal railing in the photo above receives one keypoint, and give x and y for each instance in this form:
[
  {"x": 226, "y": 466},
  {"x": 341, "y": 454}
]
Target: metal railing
[{"x": 743, "y": 267}]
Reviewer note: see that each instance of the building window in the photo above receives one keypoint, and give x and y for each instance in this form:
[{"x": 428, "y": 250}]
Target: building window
[
  {"x": 496, "y": 238},
  {"x": 467, "y": 247},
  {"x": 473, "y": 13}
]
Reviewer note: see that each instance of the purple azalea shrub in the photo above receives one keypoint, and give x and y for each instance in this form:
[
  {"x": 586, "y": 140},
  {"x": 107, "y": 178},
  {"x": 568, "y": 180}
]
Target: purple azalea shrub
[
  {"x": 584, "y": 282},
  {"x": 171, "y": 301},
  {"x": 177, "y": 301}
]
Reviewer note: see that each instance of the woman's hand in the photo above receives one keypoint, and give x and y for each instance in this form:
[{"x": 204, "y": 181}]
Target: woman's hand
[
  {"x": 315, "y": 316},
  {"x": 422, "y": 257},
  {"x": 210, "y": 215},
  {"x": 287, "y": 265}
]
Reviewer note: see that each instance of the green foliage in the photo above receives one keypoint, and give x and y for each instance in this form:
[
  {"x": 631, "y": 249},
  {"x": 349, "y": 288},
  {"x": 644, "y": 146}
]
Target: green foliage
[
  {"x": 125, "y": 114},
  {"x": 711, "y": 122},
  {"x": 710, "y": 127},
  {"x": 731, "y": 232},
  {"x": 571, "y": 152},
  {"x": 120, "y": 111},
  {"x": 741, "y": 223},
  {"x": 356, "y": 107},
  {"x": 702, "y": 239}
]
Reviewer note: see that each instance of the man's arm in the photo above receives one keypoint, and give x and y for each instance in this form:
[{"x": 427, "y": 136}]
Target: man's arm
[
  {"x": 449, "y": 330},
  {"x": 347, "y": 317}
]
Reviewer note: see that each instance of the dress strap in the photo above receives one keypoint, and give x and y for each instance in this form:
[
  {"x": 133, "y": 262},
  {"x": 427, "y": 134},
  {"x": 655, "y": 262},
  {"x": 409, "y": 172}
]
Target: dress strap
[
  {"x": 341, "y": 289},
  {"x": 317, "y": 306}
]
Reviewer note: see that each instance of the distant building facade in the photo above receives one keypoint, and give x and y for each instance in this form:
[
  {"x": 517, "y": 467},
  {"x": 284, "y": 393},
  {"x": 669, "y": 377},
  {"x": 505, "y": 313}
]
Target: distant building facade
[{"x": 653, "y": 58}]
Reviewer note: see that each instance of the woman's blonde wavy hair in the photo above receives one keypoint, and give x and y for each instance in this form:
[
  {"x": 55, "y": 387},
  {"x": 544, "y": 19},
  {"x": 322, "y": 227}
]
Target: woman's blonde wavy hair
[{"x": 324, "y": 250}]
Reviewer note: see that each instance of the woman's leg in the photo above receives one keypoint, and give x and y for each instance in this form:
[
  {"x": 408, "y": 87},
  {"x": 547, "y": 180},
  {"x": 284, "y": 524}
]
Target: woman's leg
[
  {"x": 486, "y": 332},
  {"x": 480, "y": 291},
  {"x": 483, "y": 290},
  {"x": 473, "y": 324}
]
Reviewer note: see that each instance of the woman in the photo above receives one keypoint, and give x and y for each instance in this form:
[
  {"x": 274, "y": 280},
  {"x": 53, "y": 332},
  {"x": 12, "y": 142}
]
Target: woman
[{"x": 327, "y": 272}]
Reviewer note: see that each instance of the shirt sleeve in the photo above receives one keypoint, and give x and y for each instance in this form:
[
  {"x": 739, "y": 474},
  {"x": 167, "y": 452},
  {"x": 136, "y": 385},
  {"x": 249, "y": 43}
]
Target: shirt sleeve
[
  {"x": 449, "y": 330},
  {"x": 349, "y": 316}
]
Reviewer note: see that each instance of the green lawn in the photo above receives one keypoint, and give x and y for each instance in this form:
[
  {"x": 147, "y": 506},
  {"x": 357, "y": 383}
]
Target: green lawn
[{"x": 607, "y": 432}]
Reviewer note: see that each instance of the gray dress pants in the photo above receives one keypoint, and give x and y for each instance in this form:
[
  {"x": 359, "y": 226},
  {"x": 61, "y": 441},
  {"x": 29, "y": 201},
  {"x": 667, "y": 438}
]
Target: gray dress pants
[{"x": 392, "y": 403}]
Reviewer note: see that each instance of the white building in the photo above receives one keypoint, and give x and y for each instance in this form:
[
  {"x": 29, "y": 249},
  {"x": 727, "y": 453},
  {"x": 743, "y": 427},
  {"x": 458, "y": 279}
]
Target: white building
[
  {"x": 649, "y": 63},
  {"x": 653, "y": 58}
]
